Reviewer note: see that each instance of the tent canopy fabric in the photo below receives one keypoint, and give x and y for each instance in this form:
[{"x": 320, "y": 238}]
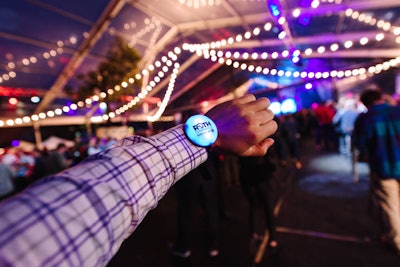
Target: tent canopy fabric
[{"x": 45, "y": 45}]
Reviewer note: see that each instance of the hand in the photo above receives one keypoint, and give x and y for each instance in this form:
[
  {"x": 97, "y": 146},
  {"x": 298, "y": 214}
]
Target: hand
[{"x": 244, "y": 125}]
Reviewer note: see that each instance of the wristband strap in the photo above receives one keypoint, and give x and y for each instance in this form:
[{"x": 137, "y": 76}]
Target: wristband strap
[{"x": 201, "y": 130}]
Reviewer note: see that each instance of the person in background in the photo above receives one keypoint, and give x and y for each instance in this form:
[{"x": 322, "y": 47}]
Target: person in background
[
  {"x": 108, "y": 142},
  {"x": 256, "y": 176},
  {"x": 306, "y": 121},
  {"x": 57, "y": 161},
  {"x": 7, "y": 176},
  {"x": 290, "y": 138},
  {"x": 229, "y": 169},
  {"x": 279, "y": 148},
  {"x": 24, "y": 167},
  {"x": 94, "y": 146},
  {"x": 344, "y": 120},
  {"x": 199, "y": 185},
  {"x": 40, "y": 166},
  {"x": 10, "y": 158},
  {"x": 81, "y": 216},
  {"x": 377, "y": 132},
  {"x": 325, "y": 137}
]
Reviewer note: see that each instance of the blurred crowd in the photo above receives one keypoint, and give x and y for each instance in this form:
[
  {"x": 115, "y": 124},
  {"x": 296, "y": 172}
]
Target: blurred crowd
[
  {"x": 20, "y": 167},
  {"x": 328, "y": 124}
]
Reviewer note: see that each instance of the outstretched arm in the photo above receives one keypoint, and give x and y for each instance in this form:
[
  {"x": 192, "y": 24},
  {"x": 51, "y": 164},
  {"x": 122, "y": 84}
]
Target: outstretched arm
[{"x": 81, "y": 216}]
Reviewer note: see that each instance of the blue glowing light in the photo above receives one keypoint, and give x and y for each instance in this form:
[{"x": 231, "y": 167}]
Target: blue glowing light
[
  {"x": 274, "y": 7},
  {"x": 275, "y": 107},
  {"x": 289, "y": 106},
  {"x": 275, "y": 10},
  {"x": 35, "y": 99}
]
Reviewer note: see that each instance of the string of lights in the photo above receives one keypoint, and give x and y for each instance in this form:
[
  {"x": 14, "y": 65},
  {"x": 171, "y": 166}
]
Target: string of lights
[
  {"x": 207, "y": 50},
  {"x": 200, "y": 3},
  {"x": 12, "y": 65},
  {"x": 168, "y": 62},
  {"x": 375, "y": 69}
]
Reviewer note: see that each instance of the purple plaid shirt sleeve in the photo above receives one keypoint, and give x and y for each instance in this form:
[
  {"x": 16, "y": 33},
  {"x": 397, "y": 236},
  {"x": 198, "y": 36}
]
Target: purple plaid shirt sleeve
[{"x": 81, "y": 216}]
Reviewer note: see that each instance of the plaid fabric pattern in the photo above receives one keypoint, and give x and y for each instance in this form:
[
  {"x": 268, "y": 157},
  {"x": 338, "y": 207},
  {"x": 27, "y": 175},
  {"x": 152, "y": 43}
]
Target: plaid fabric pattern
[
  {"x": 378, "y": 131},
  {"x": 81, "y": 216}
]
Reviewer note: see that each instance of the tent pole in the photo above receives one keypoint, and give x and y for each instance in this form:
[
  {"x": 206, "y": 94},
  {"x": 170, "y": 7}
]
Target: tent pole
[
  {"x": 38, "y": 135},
  {"x": 88, "y": 127}
]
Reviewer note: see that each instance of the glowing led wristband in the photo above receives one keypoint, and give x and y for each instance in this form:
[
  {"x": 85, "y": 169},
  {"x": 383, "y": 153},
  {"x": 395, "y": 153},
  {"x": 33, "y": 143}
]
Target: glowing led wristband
[{"x": 201, "y": 130}]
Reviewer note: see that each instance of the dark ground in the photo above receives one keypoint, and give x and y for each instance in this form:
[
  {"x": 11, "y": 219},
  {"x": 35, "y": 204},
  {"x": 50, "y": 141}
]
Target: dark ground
[{"x": 322, "y": 217}]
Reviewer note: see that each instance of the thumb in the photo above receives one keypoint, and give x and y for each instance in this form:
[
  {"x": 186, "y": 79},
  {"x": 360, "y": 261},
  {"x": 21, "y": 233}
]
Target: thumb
[{"x": 260, "y": 149}]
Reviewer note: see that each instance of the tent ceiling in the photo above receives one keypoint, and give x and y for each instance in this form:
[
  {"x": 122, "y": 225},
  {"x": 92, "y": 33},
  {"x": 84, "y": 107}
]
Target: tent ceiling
[{"x": 45, "y": 44}]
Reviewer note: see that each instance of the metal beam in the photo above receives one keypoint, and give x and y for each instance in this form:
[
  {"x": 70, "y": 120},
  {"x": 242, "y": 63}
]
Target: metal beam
[
  {"x": 33, "y": 42},
  {"x": 96, "y": 32},
  {"x": 229, "y": 7},
  {"x": 360, "y": 53},
  {"x": 61, "y": 12}
]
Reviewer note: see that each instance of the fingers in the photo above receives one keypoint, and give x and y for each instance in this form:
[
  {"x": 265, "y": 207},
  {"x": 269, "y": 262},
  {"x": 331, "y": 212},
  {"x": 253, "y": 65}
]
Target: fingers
[
  {"x": 252, "y": 104},
  {"x": 269, "y": 128},
  {"x": 245, "y": 99},
  {"x": 263, "y": 116}
]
